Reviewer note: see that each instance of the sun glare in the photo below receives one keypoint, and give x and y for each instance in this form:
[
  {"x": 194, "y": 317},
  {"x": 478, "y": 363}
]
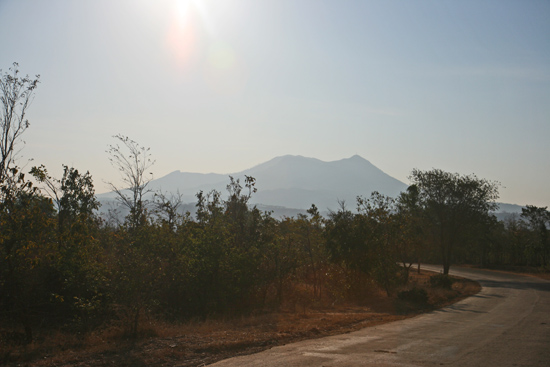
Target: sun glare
[
  {"x": 193, "y": 43},
  {"x": 183, "y": 33},
  {"x": 186, "y": 8}
]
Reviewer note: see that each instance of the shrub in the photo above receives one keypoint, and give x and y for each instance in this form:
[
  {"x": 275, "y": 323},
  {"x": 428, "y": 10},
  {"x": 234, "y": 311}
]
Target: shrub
[
  {"x": 441, "y": 281},
  {"x": 415, "y": 295}
]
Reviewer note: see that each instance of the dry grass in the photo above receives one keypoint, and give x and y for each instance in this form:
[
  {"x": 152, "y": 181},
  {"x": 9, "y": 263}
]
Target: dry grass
[{"x": 199, "y": 343}]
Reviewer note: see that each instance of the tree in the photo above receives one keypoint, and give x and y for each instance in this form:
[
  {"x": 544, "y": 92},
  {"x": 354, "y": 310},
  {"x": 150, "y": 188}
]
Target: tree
[
  {"x": 538, "y": 218},
  {"x": 73, "y": 194},
  {"x": 380, "y": 228},
  {"x": 310, "y": 231},
  {"x": 344, "y": 240},
  {"x": 133, "y": 162},
  {"x": 452, "y": 204},
  {"x": 166, "y": 208},
  {"x": 411, "y": 243},
  {"x": 16, "y": 95},
  {"x": 27, "y": 252},
  {"x": 137, "y": 265},
  {"x": 78, "y": 252}
]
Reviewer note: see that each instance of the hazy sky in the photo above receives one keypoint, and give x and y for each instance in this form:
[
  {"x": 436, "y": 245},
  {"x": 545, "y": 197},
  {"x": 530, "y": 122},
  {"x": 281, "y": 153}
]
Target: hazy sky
[{"x": 220, "y": 86}]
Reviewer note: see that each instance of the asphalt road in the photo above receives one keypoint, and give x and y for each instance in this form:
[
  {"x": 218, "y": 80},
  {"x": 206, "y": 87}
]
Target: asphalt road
[{"x": 506, "y": 324}]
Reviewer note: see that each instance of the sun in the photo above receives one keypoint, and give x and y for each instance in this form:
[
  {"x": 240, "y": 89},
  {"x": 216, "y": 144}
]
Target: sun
[
  {"x": 189, "y": 27},
  {"x": 188, "y": 8}
]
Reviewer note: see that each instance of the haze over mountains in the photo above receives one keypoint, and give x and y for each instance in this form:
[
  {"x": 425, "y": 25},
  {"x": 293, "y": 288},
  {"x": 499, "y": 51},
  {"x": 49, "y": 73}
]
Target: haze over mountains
[
  {"x": 289, "y": 181},
  {"x": 287, "y": 184}
]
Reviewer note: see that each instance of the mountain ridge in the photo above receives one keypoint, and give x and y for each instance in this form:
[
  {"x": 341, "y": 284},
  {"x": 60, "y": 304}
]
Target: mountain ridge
[
  {"x": 291, "y": 184},
  {"x": 290, "y": 181}
]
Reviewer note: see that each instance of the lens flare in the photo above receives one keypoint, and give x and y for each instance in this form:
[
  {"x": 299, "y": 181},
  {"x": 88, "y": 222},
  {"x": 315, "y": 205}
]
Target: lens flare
[{"x": 194, "y": 45}]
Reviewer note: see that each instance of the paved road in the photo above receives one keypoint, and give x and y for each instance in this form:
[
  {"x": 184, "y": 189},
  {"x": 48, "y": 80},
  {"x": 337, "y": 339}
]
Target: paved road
[{"x": 506, "y": 324}]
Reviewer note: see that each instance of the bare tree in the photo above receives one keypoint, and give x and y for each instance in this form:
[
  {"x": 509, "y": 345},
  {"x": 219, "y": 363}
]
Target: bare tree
[
  {"x": 167, "y": 206},
  {"x": 16, "y": 94},
  {"x": 133, "y": 162}
]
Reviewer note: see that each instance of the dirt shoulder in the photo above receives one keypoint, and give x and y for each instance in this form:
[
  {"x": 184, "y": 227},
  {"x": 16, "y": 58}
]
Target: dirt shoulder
[{"x": 202, "y": 343}]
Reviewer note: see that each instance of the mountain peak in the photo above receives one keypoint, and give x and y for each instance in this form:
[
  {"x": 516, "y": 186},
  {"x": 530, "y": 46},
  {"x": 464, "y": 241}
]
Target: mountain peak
[
  {"x": 294, "y": 181},
  {"x": 357, "y": 158}
]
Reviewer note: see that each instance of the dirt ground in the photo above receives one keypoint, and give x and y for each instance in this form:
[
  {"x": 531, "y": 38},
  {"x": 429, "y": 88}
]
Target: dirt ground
[{"x": 202, "y": 343}]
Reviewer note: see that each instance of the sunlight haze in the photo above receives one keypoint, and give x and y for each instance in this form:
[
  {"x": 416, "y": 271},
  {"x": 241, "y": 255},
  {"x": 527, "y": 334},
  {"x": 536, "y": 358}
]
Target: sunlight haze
[{"x": 221, "y": 86}]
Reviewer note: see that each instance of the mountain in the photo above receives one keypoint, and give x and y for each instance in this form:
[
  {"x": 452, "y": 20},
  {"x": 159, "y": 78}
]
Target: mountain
[
  {"x": 509, "y": 208},
  {"x": 290, "y": 182},
  {"x": 288, "y": 185},
  {"x": 298, "y": 182},
  {"x": 508, "y": 211}
]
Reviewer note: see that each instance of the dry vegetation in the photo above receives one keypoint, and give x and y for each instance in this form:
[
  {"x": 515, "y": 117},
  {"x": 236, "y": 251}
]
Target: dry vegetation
[{"x": 198, "y": 343}]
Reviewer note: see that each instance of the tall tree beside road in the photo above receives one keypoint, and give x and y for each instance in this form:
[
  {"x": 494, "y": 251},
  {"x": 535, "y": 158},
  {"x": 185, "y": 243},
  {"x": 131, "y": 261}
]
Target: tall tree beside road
[{"x": 452, "y": 204}]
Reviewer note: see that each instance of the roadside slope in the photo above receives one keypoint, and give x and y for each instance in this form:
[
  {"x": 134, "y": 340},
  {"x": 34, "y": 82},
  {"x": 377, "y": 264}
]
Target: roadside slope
[{"x": 506, "y": 324}]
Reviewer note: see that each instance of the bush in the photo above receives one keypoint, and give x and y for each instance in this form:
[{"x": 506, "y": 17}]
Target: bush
[
  {"x": 441, "y": 281},
  {"x": 415, "y": 295}
]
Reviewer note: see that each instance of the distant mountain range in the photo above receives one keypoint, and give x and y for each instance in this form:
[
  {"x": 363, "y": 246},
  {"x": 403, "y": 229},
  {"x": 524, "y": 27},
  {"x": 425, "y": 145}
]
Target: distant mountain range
[{"x": 288, "y": 185}]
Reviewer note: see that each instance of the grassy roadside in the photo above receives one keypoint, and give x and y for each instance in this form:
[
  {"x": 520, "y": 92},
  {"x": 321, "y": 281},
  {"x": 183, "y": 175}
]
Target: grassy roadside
[{"x": 200, "y": 343}]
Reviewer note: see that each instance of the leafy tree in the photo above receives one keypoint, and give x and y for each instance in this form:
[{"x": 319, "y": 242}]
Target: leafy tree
[
  {"x": 483, "y": 245},
  {"x": 282, "y": 257},
  {"x": 382, "y": 237},
  {"x": 452, "y": 204},
  {"x": 366, "y": 241},
  {"x": 517, "y": 239},
  {"x": 78, "y": 254},
  {"x": 310, "y": 236},
  {"x": 538, "y": 219},
  {"x": 207, "y": 254},
  {"x": 241, "y": 219},
  {"x": 28, "y": 279},
  {"x": 136, "y": 270},
  {"x": 345, "y": 240},
  {"x": 73, "y": 194}
]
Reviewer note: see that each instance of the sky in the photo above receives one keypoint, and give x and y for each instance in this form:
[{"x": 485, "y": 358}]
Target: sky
[{"x": 223, "y": 85}]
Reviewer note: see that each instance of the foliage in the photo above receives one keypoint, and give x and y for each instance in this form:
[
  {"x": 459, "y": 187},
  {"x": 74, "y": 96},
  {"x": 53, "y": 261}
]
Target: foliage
[
  {"x": 62, "y": 267},
  {"x": 441, "y": 281},
  {"x": 411, "y": 244},
  {"x": 366, "y": 241},
  {"x": 414, "y": 295},
  {"x": 452, "y": 205},
  {"x": 538, "y": 219},
  {"x": 28, "y": 254}
]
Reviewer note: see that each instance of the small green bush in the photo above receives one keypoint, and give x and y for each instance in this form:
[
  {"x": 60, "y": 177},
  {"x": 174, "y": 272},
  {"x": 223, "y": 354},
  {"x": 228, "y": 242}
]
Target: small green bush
[
  {"x": 441, "y": 281},
  {"x": 415, "y": 295}
]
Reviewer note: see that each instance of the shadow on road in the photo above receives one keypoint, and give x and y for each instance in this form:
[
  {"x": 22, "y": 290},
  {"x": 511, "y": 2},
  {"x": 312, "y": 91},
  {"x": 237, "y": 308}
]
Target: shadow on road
[{"x": 458, "y": 308}]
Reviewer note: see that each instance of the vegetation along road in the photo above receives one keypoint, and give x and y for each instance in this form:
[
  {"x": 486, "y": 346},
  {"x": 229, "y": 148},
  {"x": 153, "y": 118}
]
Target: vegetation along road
[{"x": 506, "y": 324}]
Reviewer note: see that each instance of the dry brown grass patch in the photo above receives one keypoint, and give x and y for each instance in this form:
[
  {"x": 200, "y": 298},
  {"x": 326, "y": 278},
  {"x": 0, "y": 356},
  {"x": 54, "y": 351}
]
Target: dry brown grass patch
[{"x": 196, "y": 343}]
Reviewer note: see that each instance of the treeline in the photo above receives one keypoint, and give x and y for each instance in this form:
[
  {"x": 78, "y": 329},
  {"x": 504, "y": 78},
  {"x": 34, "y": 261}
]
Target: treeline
[{"x": 63, "y": 266}]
